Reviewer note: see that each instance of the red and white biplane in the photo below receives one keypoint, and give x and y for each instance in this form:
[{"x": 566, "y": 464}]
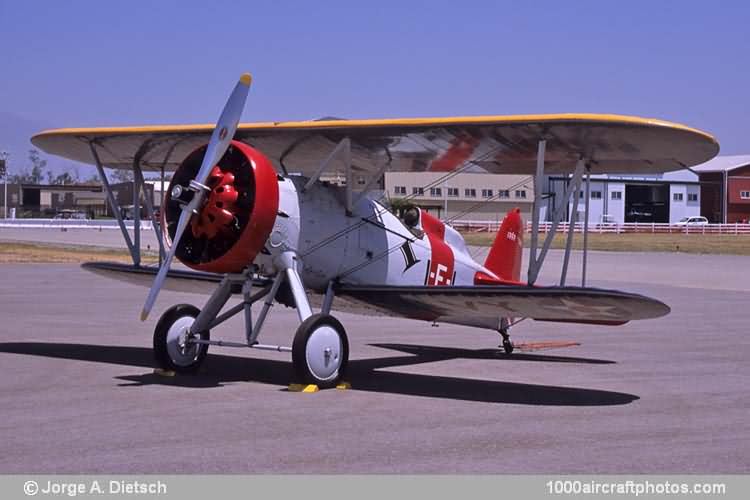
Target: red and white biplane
[{"x": 248, "y": 212}]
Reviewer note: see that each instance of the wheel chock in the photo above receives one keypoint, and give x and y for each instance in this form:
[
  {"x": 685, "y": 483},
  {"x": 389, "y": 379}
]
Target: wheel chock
[
  {"x": 303, "y": 388},
  {"x": 342, "y": 386},
  {"x": 163, "y": 373}
]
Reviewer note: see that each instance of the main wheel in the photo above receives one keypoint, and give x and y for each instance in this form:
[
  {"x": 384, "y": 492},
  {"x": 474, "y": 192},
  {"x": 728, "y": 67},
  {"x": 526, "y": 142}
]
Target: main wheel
[
  {"x": 508, "y": 346},
  {"x": 320, "y": 351},
  {"x": 172, "y": 350}
]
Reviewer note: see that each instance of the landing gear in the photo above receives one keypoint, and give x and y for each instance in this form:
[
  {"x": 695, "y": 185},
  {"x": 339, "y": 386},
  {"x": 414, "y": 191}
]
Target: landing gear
[
  {"x": 507, "y": 345},
  {"x": 172, "y": 347},
  {"x": 320, "y": 351}
]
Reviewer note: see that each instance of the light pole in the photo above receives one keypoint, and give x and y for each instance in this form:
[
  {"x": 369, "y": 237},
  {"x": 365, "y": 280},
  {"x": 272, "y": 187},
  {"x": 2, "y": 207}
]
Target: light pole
[{"x": 4, "y": 160}]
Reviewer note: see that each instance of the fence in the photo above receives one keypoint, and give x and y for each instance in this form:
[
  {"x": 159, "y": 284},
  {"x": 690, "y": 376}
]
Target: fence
[
  {"x": 70, "y": 224},
  {"x": 628, "y": 227},
  {"x": 464, "y": 225}
]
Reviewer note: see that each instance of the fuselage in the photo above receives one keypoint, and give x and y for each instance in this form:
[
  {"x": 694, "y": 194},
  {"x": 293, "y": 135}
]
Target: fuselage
[{"x": 371, "y": 245}]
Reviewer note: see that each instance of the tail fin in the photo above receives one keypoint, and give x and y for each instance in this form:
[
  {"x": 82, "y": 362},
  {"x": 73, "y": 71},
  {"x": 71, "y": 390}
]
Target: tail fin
[{"x": 505, "y": 255}]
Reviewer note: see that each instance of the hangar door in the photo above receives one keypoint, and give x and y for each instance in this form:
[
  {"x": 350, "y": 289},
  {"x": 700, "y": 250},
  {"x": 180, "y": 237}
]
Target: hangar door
[{"x": 647, "y": 203}]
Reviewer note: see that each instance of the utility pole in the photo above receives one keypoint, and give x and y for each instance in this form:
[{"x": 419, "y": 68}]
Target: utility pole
[{"x": 4, "y": 172}]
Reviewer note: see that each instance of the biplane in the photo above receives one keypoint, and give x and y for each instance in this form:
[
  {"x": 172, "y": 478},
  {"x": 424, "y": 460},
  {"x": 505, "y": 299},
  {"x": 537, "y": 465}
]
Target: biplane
[{"x": 248, "y": 212}]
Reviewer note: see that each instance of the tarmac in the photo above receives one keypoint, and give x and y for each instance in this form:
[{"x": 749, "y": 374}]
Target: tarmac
[{"x": 78, "y": 393}]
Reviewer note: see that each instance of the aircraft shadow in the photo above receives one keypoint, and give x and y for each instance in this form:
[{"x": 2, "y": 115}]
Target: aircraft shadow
[
  {"x": 436, "y": 353},
  {"x": 364, "y": 375}
]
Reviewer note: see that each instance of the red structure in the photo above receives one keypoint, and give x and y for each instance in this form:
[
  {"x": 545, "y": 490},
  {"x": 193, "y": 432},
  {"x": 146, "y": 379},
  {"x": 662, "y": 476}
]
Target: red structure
[{"x": 725, "y": 189}]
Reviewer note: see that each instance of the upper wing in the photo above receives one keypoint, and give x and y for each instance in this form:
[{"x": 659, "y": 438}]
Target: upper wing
[
  {"x": 496, "y": 144},
  {"x": 483, "y": 306}
]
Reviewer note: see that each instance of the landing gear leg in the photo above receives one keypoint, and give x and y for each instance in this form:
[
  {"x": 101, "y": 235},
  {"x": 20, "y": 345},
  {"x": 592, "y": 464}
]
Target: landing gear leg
[
  {"x": 507, "y": 345},
  {"x": 320, "y": 351}
]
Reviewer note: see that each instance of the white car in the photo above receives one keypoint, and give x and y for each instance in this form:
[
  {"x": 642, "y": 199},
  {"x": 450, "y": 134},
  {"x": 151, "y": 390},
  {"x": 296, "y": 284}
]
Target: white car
[{"x": 695, "y": 220}]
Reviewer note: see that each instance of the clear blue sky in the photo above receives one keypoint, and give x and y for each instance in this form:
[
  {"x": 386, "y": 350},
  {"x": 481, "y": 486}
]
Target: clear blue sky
[{"x": 118, "y": 63}]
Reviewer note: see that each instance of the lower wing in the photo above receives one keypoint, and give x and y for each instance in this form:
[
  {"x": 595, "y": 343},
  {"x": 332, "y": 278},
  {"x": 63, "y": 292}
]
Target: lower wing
[
  {"x": 483, "y": 306},
  {"x": 480, "y": 306}
]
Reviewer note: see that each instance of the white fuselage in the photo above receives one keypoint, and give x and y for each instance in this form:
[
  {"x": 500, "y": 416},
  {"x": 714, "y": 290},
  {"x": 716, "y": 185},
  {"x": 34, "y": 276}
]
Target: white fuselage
[{"x": 370, "y": 246}]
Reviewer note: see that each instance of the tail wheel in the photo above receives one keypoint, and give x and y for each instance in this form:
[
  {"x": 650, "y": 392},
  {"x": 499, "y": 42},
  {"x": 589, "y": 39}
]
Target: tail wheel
[
  {"x": 172, "y": 350},
  {"x": 320, "y": 352}
]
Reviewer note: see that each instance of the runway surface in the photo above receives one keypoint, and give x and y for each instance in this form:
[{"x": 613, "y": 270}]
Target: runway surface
[{"x": 664, "y": 396}]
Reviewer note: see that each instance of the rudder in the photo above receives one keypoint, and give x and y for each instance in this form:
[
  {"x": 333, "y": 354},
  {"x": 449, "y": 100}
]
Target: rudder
[{"x": 505, "y": 255}]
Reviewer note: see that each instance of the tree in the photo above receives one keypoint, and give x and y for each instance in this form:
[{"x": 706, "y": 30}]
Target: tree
[
  {"x": 33, "y": 176},
  {"x": 119, "y": 175},
  {"x": 37, "y": 166}
]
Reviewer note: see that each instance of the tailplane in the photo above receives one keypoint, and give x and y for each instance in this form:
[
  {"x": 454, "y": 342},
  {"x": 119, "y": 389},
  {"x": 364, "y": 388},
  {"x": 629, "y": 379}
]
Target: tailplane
[{"x": 505, "y": 255}]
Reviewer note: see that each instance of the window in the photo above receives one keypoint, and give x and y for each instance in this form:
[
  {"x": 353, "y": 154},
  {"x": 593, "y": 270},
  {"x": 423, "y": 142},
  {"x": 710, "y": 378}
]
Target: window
[
  {"x": 487, "y": 193},
  {"x": 399, "y": 189},
  {"x": 520, "y": 193},
  {"x": 503, "y": 193},
  {"x": 692, "y": 196},
  {"x": 745, "y": 195},
  {"x": 616, "y": 195},
  {"x": 470, "y": 193},
  {"x": 453, "y": 192},
  {"x": 596, "y": 195},
  {"x": 418, "y": 191},
  {"x": 677, "y": 197},
  {"x": 436, "y": 192}
]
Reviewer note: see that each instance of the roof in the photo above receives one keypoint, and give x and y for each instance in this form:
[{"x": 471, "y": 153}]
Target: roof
[{"x": 723, "y": 164}]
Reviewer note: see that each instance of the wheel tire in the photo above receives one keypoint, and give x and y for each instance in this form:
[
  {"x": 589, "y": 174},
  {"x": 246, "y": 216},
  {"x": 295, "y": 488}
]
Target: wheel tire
[
  {"x": 508, "y": 346},
  {"x": 169, "y": 328},
  {"x": 318, "y": 333}
]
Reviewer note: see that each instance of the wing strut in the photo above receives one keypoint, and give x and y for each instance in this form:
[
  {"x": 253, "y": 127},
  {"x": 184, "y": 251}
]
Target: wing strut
[
  {"x": 570, "y": 197},
  {"x": 586, "y": 226},
  {"x": 534, "y": 264},
  {"x": 134, "y": 252},
  {"x": 343, "y": 148},
  {"x": 139, "y": 184}
]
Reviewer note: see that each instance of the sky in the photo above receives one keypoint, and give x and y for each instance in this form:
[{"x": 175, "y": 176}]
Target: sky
[{"x": 94, "y": 63}]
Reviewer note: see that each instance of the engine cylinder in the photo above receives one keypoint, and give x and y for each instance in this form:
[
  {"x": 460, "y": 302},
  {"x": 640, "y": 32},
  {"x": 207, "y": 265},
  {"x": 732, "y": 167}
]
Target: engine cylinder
[{"x": 236, "y": 216}]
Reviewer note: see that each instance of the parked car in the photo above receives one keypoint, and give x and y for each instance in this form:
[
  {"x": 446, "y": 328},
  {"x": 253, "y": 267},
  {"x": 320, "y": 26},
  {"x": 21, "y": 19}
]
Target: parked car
[
  {"x": 67, "y": 214},
  {"x": 695, "y": 220}
]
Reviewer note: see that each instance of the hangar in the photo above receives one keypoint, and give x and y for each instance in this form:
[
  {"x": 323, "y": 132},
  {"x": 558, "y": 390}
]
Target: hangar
[
  {"x": 725, "y": 189},
  {"x": 615, "y": 198}
]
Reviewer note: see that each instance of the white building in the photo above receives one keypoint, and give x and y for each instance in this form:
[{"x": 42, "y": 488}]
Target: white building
[{"x": 631, "y": 198}]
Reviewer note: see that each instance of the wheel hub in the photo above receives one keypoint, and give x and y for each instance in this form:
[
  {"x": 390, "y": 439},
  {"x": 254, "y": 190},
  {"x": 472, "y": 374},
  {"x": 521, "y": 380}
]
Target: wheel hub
[
  {"x": 181, "y": 351},
  {"x": 323, "y": 353}
]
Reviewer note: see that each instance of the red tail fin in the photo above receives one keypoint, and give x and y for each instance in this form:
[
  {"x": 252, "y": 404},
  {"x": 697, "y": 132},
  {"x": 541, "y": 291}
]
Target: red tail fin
[{"x": 504, "y": 258}]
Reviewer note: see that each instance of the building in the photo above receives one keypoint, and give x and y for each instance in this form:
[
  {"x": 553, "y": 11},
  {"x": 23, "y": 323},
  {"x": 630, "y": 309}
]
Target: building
[
  {"x": 465, "y": 196},
  {"x": 664, "y": 198},
  {"x": 725, "y": 189},
  {"x": 46, "y": 200}
]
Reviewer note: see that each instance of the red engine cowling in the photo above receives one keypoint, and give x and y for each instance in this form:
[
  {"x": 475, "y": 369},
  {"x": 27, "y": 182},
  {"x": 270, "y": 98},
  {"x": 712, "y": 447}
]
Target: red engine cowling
[{"x": 237, "y": 214}]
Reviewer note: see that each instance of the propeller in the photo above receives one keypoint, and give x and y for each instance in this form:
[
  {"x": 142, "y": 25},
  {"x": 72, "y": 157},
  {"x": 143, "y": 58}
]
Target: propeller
[{"x": 217, "y": 146}]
